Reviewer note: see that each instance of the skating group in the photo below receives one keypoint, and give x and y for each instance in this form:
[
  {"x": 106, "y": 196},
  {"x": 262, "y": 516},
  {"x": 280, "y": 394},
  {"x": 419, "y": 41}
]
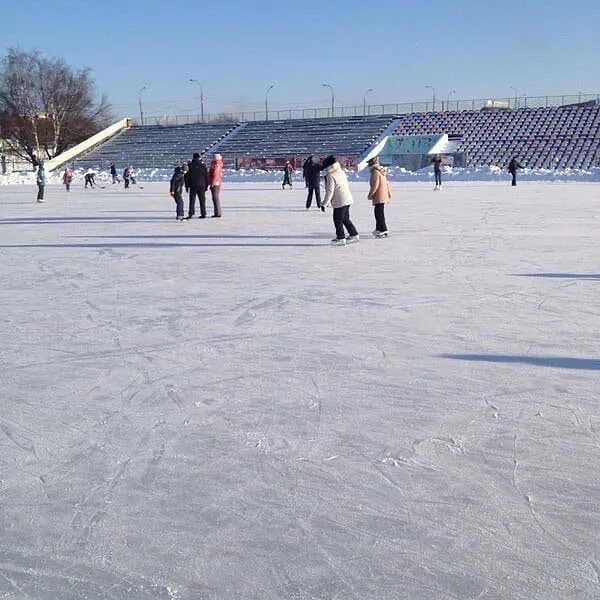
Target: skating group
[{"x": 196, "y": 179}]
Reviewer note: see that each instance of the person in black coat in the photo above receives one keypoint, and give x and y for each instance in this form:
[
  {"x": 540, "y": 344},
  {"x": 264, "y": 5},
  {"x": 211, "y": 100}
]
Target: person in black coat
[
  {"x": 513, "y": 165},
  {"x": 176, "y": 191},
  {"x": 312, "y": 174},
  {"x": 113, "y": 172},
  {"x": 196, "y": 180}
]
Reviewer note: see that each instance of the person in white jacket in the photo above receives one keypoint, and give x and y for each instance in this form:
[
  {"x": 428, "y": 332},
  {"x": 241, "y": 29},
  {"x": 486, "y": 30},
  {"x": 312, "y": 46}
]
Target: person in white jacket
[{"x": 339, "y": 197}]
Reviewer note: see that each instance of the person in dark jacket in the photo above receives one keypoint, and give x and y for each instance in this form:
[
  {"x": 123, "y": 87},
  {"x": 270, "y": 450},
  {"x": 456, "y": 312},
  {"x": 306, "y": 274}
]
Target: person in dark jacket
[
  {"x": 113, "y": 172},
  {"x": 305, "y": 170},
  {"x": 90, "y": 179},
  {"x": 312, "y": 175},
  {"x": 126, "y": 177},
  {"x": 513, "y": 165},
  {"x": 437, "y": 162},
  {"x": 287, "y": 175},
  {"x": 196, "y": 179},
  {"x": 176, "y": 191}
]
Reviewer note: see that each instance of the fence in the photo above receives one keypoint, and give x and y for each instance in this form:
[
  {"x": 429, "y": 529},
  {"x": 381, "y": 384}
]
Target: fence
[{"x": 512, "y": 102}]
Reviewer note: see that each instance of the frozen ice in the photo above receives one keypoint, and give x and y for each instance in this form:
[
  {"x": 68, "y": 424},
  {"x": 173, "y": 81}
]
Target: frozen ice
[{"x": 231, "y": 409}]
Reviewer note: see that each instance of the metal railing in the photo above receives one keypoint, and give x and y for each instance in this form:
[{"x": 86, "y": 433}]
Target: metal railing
[{"x": 512, "y": 102}]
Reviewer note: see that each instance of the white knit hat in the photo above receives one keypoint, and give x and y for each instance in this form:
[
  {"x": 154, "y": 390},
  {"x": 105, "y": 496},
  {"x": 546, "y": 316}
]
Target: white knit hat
[{"x": 218, "y": 157}]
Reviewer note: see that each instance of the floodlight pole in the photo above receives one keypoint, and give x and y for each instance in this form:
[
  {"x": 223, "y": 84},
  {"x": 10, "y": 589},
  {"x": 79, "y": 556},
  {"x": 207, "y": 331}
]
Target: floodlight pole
[
  {"x": 141, "y": 110},
  {"x": 201, "y": 100},
  {"x": 448, "y": 99},
  {"x": 433, "y": 90},
  {"x": 332, "y": 99},
  {"x": 267, "y": 101},
  {"x": 516, "y": 94},
  {"x": 365, "y": 101}
]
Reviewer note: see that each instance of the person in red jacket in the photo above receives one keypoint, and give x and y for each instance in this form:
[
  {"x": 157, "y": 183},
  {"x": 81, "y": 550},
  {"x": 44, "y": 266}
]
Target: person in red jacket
[{"x": 215, "y": 178}]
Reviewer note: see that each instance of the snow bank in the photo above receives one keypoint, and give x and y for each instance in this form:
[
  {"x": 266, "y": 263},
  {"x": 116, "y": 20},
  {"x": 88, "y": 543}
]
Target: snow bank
[{"x": 491, "y": 173}]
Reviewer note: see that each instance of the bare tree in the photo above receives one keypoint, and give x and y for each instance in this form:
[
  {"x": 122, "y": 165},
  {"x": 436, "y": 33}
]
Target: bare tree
[{"x": 46, "y": 106}]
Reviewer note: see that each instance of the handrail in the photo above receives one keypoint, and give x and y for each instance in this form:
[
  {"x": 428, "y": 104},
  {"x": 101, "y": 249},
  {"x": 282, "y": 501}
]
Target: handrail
[{"x": 512, "y": 102}]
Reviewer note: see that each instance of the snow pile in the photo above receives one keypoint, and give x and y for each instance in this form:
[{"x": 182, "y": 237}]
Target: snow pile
[{"x": 490, "y": 173}]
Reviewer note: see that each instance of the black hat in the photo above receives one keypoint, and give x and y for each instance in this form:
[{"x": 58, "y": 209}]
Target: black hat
[
  {"x": 196, "y": 155},
  {"x": 327, "y": 162}
]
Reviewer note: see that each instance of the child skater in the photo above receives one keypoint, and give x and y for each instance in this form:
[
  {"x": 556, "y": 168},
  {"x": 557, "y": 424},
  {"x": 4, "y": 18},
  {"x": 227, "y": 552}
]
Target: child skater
[{"x": 176, "y": 191}]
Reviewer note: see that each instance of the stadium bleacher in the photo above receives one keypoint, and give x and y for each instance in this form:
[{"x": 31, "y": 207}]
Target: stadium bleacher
[
  {"x": 557, "y": 137},
  {"x": 563, "y": 137},
  {"x": 155, "y": 146}
]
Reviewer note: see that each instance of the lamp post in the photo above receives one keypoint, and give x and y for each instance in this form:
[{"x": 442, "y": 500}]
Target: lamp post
[
  {"x": 140, "y": 98},
  {"x": 448, "y": 99},
  {"x": 267, "y": 101},
  {"x": 332, "y": 99},
  {"x": 201, "y": 100},
  {"x": 516, "y": 94},
  {"x": 365, "y": 101},
  {"x": 433, "y": 91}
]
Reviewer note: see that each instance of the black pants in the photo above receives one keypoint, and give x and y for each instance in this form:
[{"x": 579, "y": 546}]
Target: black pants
[
  {"x": 438, "y": 177},
  {"x": 126, "y": 182},
  {"x": 514, "y": 178},
  {"x": 380, "y": 218},
  {"x": 201, "y": 198},
  {"x": 316, "y": 189},
  {"x": 287, "y": 180},
  {"x": 40, "y": 192},
  {"x": 341, "y": 219},
  {"x": 179, "y": 202}
]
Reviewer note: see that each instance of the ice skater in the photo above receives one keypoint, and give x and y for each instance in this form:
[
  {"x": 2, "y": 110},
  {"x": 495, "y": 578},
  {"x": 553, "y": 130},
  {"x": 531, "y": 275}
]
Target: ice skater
[
  {"x": 127, "y": 177},
  {"x": 312, "y": 175},
  {"x": 437, "y": 162},
  {"x": 287, "y": 175},
  {"x": 41, "y": 181},
  {"x": 196, "y": 180},
  {"x": 90, "y": 179},
  {"x": 176, "y": 191},
  {"x": 379, "y": 194},
  {"x": 113, "y": 172},
  {"x": 215, "y": 178},
  {"x": 67, "y": 178},
  {"x": 513, "y": 165},
  {"x": 338, "y": 195}
]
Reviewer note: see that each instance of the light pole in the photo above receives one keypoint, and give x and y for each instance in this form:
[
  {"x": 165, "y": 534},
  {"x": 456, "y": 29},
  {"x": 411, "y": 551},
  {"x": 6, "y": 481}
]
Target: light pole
[
  {"x": 201, "y": 100},
  {"x": 332, "y": 99},
  {"x": 267, "y": 100},
  {"x": 433, "y": 91},
  {"x": 516, "y": 94},
  {"x": 141, "y": 111},
  {"x": 448, "y": 99},
  {"x": 365, "y": 101}
]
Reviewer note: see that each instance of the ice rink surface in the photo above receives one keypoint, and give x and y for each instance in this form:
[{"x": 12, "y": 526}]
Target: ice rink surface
[{"x": 232, "y": 409}]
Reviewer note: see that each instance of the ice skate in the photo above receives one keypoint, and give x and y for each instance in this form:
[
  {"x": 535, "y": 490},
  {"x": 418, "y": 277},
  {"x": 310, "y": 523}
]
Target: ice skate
[
  {"x": 338, "y": 242},
  {"x": 380, "y": 234},
  {"x": 352, "y": 239}
]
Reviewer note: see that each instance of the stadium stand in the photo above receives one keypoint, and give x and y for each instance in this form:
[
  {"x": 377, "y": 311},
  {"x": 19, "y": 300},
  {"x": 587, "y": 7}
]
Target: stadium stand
[
  {"x": 563, "y": 137},
  {"x": 155, "y": 146},
  {"x": 557, "y": 137},
  {"x": 348, "y": 136}
]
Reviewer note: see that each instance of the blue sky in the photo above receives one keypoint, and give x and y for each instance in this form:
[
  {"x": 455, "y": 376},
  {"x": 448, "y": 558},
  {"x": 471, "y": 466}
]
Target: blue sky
[{"x": 237, "y": 49}]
